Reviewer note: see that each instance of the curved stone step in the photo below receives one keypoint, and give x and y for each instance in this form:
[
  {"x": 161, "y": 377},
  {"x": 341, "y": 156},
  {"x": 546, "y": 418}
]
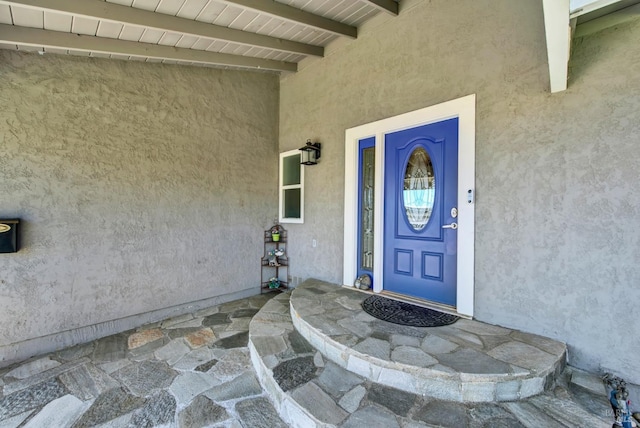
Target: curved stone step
[
  {"x": 309, "y": 391},
  {"x": 467, "y": 361}
]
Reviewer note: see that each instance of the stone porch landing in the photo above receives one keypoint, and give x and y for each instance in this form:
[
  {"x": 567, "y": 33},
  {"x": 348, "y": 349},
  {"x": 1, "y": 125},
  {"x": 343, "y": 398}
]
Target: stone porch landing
[
  {"x": 356, "y": 371},
  {"x": 468, "y": 361}
]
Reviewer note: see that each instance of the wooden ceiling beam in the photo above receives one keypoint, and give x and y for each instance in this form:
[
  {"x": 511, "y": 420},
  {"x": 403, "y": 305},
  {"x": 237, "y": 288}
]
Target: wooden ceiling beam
[
  {"x": 103, "y": 10},
  {"x": 12, "y": 34},
  {"x": 289, "y": 13},
  {"x": 558, "y": 34},
  {"x": 388, "y": 6}
]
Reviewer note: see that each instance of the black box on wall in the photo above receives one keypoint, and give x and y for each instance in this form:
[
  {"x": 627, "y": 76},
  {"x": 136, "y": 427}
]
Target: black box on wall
[{"x": 9, "y": 235}]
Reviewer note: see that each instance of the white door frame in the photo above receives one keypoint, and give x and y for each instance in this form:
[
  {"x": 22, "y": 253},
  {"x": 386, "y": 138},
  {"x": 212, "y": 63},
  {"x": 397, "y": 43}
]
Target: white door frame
[{"x": 465, "y": 110}]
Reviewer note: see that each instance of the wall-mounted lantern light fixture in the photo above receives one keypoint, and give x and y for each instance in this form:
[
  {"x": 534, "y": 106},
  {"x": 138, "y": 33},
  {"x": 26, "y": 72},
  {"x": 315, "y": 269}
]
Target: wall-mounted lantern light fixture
[{"x": 310, "y": 153}]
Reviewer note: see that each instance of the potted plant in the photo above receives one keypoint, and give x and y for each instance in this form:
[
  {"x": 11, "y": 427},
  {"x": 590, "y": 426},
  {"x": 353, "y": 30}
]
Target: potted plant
[
  {"x": 275, "y": 233},
  {"x": 274, "y": 283}
]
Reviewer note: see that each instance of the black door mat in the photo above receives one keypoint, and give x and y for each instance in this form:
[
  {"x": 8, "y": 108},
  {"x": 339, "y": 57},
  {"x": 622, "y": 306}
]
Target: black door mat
[{"x": 405, "y": 313}]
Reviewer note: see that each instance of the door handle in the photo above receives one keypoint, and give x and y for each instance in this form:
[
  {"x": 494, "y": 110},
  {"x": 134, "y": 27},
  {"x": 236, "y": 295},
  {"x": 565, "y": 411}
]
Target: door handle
[{"x": 453, "y": 225}]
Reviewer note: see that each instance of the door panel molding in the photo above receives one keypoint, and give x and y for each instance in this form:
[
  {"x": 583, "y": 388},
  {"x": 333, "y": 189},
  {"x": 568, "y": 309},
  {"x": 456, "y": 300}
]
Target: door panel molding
[{"x": 462, "y": 108}]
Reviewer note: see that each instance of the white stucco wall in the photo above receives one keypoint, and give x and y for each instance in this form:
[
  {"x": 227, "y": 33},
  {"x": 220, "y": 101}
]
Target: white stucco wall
[
  {"x": 141, "y": 187},
  {"x": 558, "y": 194}
]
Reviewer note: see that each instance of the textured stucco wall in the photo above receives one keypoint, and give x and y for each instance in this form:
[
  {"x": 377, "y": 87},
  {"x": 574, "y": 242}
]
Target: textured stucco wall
[
  {"x": 135, "y": 187},
  {"x": 558, "y": 198}
]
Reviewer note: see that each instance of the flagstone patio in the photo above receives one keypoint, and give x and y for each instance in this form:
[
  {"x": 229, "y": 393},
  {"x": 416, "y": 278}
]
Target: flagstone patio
[{"x": 246, "y": 364}]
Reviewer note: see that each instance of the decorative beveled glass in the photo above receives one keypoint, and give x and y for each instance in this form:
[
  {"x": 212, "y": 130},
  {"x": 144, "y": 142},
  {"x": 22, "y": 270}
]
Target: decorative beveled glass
[
  {"x": 366, "y": 220},
  {"x": 419, "y": 192}
]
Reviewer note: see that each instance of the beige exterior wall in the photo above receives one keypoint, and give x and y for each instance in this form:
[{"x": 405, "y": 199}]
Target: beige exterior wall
[
  {"x": 558, "y": 194},
  {"x": 141, "y": 187}
]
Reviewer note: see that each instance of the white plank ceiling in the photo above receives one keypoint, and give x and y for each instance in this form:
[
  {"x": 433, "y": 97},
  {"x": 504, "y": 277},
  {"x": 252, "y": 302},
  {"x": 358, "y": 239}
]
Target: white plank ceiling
[{"x": 250, "y": 34}]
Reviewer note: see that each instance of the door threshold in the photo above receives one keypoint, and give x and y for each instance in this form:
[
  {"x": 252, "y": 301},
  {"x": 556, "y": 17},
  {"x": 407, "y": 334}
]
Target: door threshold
[
  {"x": 423, "y": 303},
  {"x": 414, "y": 301}
]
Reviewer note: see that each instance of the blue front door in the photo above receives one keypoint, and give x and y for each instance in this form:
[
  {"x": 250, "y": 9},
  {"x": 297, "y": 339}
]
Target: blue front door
[{"x": 420, "y": 212}]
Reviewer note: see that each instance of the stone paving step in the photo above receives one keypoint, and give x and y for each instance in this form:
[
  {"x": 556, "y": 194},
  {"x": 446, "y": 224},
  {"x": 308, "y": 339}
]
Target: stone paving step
[
  {"x": 308, "y": 390},
  {"x": 193, "y": 370},
  {"x": 468, "y": 361}
]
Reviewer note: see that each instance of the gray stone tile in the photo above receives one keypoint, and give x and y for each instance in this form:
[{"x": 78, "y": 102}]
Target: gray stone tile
[
  {"x": 172, "y": 351},
  {"x": 352, "y": 399},
  {"x": 111, "y": 367},
  {"x": 194, "y": 359},
  {"x": 319, "y": 404},
  {"x": 348, "y": 340},
  {"x": 402, "y": 340},
  {"x": 123, "y": 421},
  {"x": 238, "y": 340},
  {"x": 588, "y": 381},
  {"x": 318, "y": 360},
  {"x": 194, "y": 322},
  {"x": 532, "y": 417},
  {"x": 490, "y": 342},
  {"x": 108, "y": 406},
  {"x": 467, "y": 360},
  {"x": 269, "y": 345},
  {"x": 144, "y": 377},
  {"x": 298, "y": 343},
  {"x": 232, "y": 364},
  {"x": 190, "y": 384},
  {"x": 460, "y": 337},
  {"x": 30, "y": 398},
  {"x": 216, "y": 319},
  {"x": 491, "y": 415},
  {"x": 374, "y": 347},
  {"x": 245, "y": 385},
  {"x": 157, "y": 410},
  {"x": 480, "y": 328},
  {"x": 352, "y": 303},
  {"x": 239, "y": 324},
  {"x": 412, "y": 356},
  {"x": 110, "y": 348},
  {"x": 269, "y": 317},
  {"x": 444, "y": 414},
  {"x": 437, "y": 345},
  {"x": 277, "y": 307},
  {"x": 75, "y": 352},
  {"x": 508, "y": 391},
  {"x": 206, "y": 366},
  {"x": 325, "y": 325},
  {"x": 397, "y": 401},
  {"x": 41, "y": 377},
  {"x": 244, "y": 313},
  {"x": 371, "y": 417},
  {"x": 336, "y": 381},
  {"x": 523, "y": 355},
  {"x": 293, "y": 373},
  {"x": 391, "y": 329},
  {"x": 146, "y": 351},
  {"x": 202, "y": 412},
  {"x": 61, "y": 412},
  {"x": 202, "y": 313},
  {"x": 568, "y": 412},
  {"x": 15, "y": 421},
  {"x": 168, "y": 323},
  {"x": 258, "y": 413},
  {"x": 358, "y": 328},
  {"x": 87, "y": 381},
  {"x": 546, "y": 344}
]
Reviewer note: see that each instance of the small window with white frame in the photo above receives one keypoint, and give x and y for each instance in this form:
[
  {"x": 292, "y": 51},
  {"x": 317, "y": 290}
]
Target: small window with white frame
[{"x": 291, "y": 188}]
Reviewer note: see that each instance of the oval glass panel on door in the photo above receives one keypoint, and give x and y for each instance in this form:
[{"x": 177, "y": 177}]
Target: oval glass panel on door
[{"x": 418, "y": 194}]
